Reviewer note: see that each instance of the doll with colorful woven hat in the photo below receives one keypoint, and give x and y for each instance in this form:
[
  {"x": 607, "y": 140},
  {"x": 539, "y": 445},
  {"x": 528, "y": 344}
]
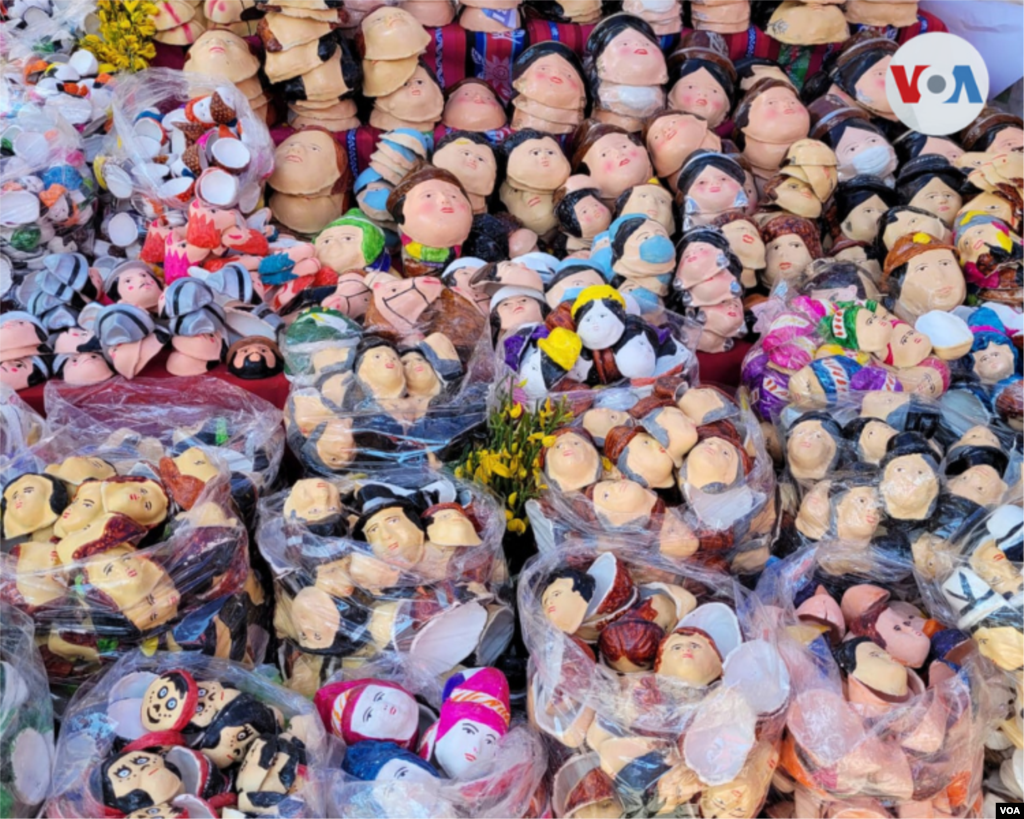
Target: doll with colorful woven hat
[{"x": 921, "y": 274}]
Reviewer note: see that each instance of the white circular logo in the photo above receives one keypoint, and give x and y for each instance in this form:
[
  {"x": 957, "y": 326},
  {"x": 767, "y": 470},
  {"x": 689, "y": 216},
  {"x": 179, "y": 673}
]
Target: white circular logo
[{"x": 937, "y": 84}]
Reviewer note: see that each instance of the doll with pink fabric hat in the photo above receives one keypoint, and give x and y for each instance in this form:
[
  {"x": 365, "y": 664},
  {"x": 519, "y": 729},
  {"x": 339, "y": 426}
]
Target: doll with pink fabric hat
[
  {"x": 369, "y": 709},
  {"x": 474, "y": 717}
]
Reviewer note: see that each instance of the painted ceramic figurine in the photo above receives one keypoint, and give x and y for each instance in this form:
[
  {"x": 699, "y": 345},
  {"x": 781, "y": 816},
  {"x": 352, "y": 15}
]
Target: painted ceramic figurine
[
  {"x": 550, "y": 93},
  {"x": 703, "y": 78},
  {"x": 769, "y": 119},
  {"x": 434, "y": 216}
]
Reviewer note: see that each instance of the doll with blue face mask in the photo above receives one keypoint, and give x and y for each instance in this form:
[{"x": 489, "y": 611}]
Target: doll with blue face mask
[{"x": 642, "y": 253}]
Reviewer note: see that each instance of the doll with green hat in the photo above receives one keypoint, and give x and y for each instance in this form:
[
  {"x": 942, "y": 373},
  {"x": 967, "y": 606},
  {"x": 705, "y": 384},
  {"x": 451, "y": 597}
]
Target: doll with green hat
[
  {"x": 856, "y": 326},
  {"x": 352, "y": 242}
]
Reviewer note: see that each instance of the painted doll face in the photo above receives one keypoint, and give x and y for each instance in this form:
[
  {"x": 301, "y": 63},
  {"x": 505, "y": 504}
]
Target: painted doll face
[
  {"x": 601, "y": 419},
  {"x": 1003, "y": 645},
  {"x": 592, "y": 217},
  {"x": 222, "y": 54},
  {"x": 903, "y": 640},
  {"x": 139, "y": 587},
  {"x": 934, "y": 281},
  {"x": 420, "y": 377},
  {"x": 672, "y": 138},
  {"x": 713, "y": 191},
  {"x": 981, "y": 484},
  {"x": 679, "y": 429},
  {"x": 138, "y": 287},
  {"x": 341, "y": 248},
  {"x": 85, "y": 508},
  {"x": 385, "y": 713},
  {"x": 700, "y": 93},
  {"x": 474, "y": 165},
  {"x": 418, "y": 100},
  {"x": 86, "y": 368},
  {"x": 334, "y": 578},
  {"x": 143, "y": 771},
  {"x": 165, "y": 704},
  {"x": 976, "y": 241},
  {"x": 908, "y": 222},
  {"x": 564, "y": 607},
  {"x": 16, "y": 373},
  {"x": 305, "y": 162},
  {"x": 939, "y": 199},
  {"x": 942, "y": 146},
  {"x": 786, "y": 257},
  {"x": 465, "y": 743},
  {"x": 648, "y": 250},
  {"x": 648, "y": 462},
  {"x": 713, "y": 463},
  {"x": 874, "y": 331},
  {"x": 810, "y": 447},
  {"x": 336, "y": 446},
  {"x": 654, "y": 202},
  {"x": 394, "y": 538},
  {"x": 909, "y": 487},
  {"x": 878, "y": 670},
  {"x": 552, "y": 81},
  {"x": 623, "y": 503},
  {"x": 600, "y": 327},
  {"x": 869, "y": 90},
  {"x": 724, "y": 319},
  {"x": 315, "y": 618},
  {"x": 28, "y": 505},
  {"x": 777, "y": 116},
  {"x": 381, "y": 370},
  {"x": 450, "y": 527},
  {"x": 400, "y": 770},
  {"x": 165, "y": 810},
  {"x": 212, "y": 698},
  {"x": 571, "y": 462},
  {"x": 193, "y": 462},
  {"x": 233, "y": 742},
  {"x": 861, "y": 151},
  {"x": 144, "y": 502},
  {"x": 312, "y": 499},
  {"x": 857, "y": 514},
  {"x": 617, "y": 163},
  {"x": 473, "y": 107},
  {"x": 796, "y": 196},
  {"x": 908, "y": 347},
  {"x": 1008, "y": 139},
  {"x": 988, "y": 203},
  {"x": 873, "y": 441},
  {"x": 516, "y": 311},
  {"x": 994, "y": 363},
  {"x": 745, "y": 241},
  {"x": 631, "y": 59},
  {"x": 437, "y": 214},
  {"x": 862, "y": 222},
  {"x": 538, "y": 164},
  {"x": 691, "y": 658}
]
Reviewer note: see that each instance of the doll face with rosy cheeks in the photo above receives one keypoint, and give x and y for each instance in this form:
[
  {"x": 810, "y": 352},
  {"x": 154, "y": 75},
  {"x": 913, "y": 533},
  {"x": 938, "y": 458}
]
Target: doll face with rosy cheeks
[
  {"x": 981, "y": 484},
  {"x": 939, "y": 199},
  {"x": 394, "y": 538},
  {"x": 143, "y": 771},
  {"x": 592, "y": 216},
  {"x": 631, "y": 59},
  {"x": 654, "y": 202},
  {"x": 306, "y": 161},
  {"x": 622, "y": 503},
  {"x": 518, "y": 310},
  {"x": 725, "y": 318},
  {"x": 600, "y": 327},
  {"x": 385, "y": 713},
  {"x": 473, "y": 164},
  {"x": 713, "y": 191},
  {"x": 552, "y": 81},
  {"x": 572, "y": 462},
  {"x": 219, "y": 53},
  {"x": 139, "y": 288},
  {"x": 858, "y": 514},
  {"x": 466, "y": 743},
  {"x": 538, "y": 164},
  {"x": 419, "y": 375},
  {"x": 745, "y": 241},
  {"x": 672, "y": 138},
  {"x": 474, "y": 107},
  {"x": 698, "y": 262},
  {"x": 690, "y": 658},
  {"x": 862, "y": 222},
  {"x": 786, "y": 257},
  {"x": 617, "y": 163},
  {"x": 381, "y": 370},
  {"x": 777, "y": 116},
  {"x": 85, "y": 508},
  {"x": 909, "y": 487},
  {"x": 908, "y": 347},
  {"x": 869, "y": 90},
  {"x": 438, "y": 212},
  {"x": 699, "y": 93},
  {"x": 933, "y": 281}
]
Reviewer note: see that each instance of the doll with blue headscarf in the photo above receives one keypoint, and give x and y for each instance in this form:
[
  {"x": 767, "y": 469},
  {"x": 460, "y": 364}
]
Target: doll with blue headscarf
[
  {"x": 993, "y": 356},
  {"x": 373, "y": 761}
]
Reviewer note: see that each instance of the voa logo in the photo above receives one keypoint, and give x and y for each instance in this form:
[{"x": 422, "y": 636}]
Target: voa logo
[{"x": 937, "y": 84}]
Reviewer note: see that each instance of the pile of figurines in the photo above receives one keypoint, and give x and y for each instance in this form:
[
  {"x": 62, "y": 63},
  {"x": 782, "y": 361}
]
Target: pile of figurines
[
  {"x": 186, "y": 735},
  {"x": 376, "y": 566},
  {"x": 683, "y": 469},
  {"x": 638, "y": 671}
]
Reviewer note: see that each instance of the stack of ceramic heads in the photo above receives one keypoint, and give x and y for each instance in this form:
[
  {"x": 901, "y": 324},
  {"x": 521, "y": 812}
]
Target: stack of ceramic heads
[
  {"x": 722, "y": 16},
  {"x": 178, "y": 22},
  {"x": 664, "y": 17},
  {"x": 808, "y": 22},
  {"x": 418, "y": 103},
  {"x": 227, "y": 56},
  {"x": 433, "y": 13},
  {"x": 587, "y": 12},
  {"x": 196, "y": 322},
  {"x": 492, "y": 16},
  {"x": 390, "y": 43},
  {"x": 310, "y": 180},
  {"x": 56, "y": 294},
  {"x": 24, "y": 353},
  {"x": 240, "y": 17},
  {"x": 129, "y": 337},
  {"x": 398, "y": 153},
  {"x": 551, "y": 96},
  {"x": 881, "y": 13}
]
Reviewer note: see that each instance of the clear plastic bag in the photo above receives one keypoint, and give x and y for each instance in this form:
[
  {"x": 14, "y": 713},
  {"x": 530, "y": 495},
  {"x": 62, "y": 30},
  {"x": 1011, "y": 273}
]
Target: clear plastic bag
[
  {"x": 105, "y": 715},
  {"x": 703, "y": 725},
  {"x": 157, "y": 414},
  {"x": 26, "y": 719},
  {"x": 406, "y": 562},
  {"x": 20, "y": 426},
  {"x": 863, "y": 726},
  {"x": 724, "y": 527}
]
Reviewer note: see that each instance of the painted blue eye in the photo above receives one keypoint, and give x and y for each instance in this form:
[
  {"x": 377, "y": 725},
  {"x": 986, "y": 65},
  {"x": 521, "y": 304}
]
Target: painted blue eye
[{"x": 172, "y": 704}]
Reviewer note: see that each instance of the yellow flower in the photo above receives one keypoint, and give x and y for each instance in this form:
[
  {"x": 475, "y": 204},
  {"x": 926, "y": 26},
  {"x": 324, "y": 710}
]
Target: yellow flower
[
  {"x": 516, "y": 411},
  {"x": 500, "y": 470},
  {"x": 511, "y": 500},
  {"x": 548, "y": 440},
  {"x": 508, "y": 514},
  {"x": 517, "y": 526}
]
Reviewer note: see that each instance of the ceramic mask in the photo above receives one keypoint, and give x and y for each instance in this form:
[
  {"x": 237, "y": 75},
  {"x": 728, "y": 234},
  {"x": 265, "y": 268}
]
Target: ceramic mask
[
  {"x": 474, "y": 165},
  {"x": 571, "y": 462},
  {"x": 474, "y": 107},
  {"x": 862, "y": 151},
  {"x": 311, "y": 500},
  {"x": 713, "y": 191},
  {"x": 437, "y": 214},
  {"x": 451, "y": 528},
  {"x": 712, "y": 465},
  {"x": 552, "y": 81},
  {"x": 939, "y": 199},
  {"x": 380, "y": 369},
  {"x": 909, "y": 487},
  {"x": 394, "y": 537},
  {"x": 700, "y": 93},
  {"x": 538, "y": 164},
  {"x": 786, "y": 257},
  {"x": 212, "y": 697},
  {"x": 654, "y": 202},
  {"x": 169, "y": 701},
  {"x": 623, "y": 503},
  {"x": 689, "y": 655},
  {"x": 144, "y": 502},
  {"x": 368, "y": 711},
  {"x": 673, "y": 137},
  {"x": 305, "y": 163},
  {"x": 699, "y": 262},
  {"x": 564, "y": 604},
  {"x": 139, "y": 779},
  {"x": 616, "y": 164},
  {"x": 933, "y": 281},
  {"x": 980, "y": 239}
]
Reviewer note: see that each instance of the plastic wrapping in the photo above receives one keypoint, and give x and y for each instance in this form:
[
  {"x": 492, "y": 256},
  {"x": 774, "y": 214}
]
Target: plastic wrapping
[
  {"x": 105, "y": 716},
  {"x": 702, "y": 727},
  {"x": 52, "y": 25},
  {"x": 166, "y": 98},
  {"x": 661, "y": 499},
  {"x": 20, "y": 426},
  {"x": 863, "y": 728},
  {"x": 363, "y": 396},
  {"x": 406, "y": 563},
  {"x": 26, "y": 719},
  {"x": 157, "y": 414}
]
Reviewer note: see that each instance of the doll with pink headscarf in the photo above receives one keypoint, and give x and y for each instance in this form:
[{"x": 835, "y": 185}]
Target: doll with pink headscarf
[
  {"x": 793, "y": 336},
  {"x": 359, "y": 710},
  {"x": 474, "y": 717}
]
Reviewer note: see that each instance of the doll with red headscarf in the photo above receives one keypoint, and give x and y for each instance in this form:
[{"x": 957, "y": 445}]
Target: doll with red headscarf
[{"x": 360, "y": 710}]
